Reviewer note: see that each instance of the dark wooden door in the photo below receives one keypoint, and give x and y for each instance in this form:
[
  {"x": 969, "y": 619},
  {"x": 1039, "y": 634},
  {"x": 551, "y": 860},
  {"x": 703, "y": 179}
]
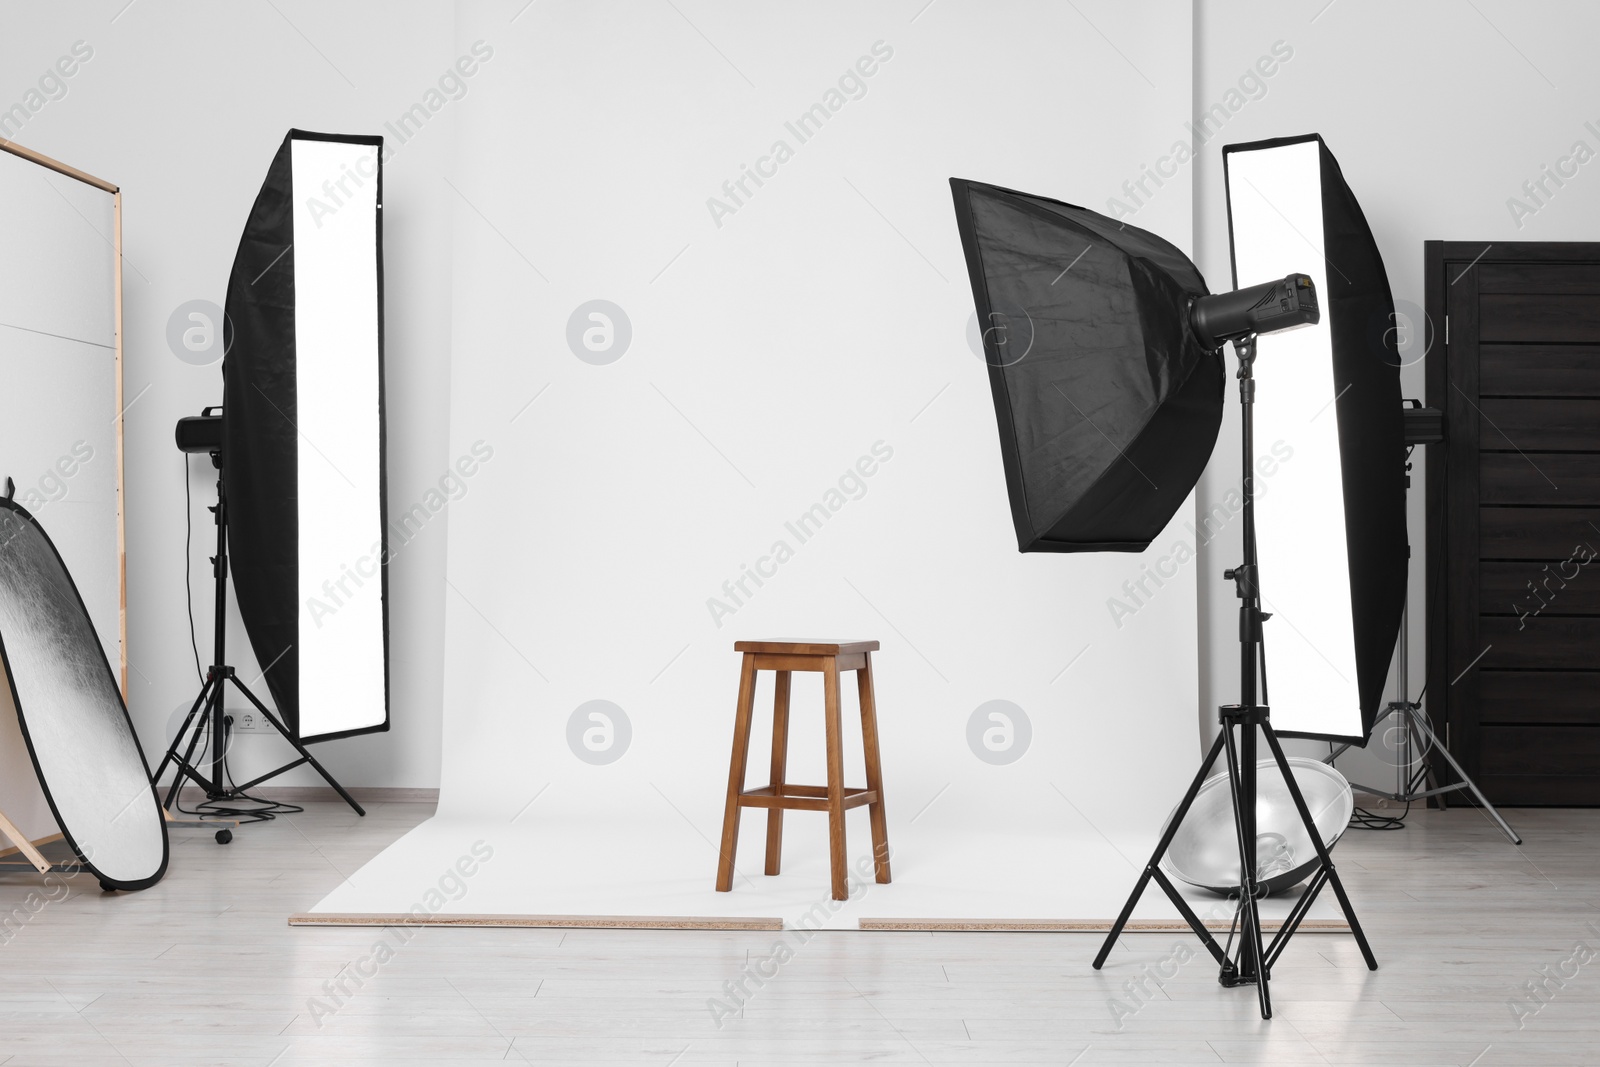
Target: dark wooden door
[{"x": 1514, "y": 516}]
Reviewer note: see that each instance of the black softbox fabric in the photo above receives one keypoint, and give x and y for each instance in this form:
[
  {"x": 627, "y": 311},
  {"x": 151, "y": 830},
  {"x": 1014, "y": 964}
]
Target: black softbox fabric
[
  {"x": 258, "y": 435},
  {"x": 1107, "y": 406}
]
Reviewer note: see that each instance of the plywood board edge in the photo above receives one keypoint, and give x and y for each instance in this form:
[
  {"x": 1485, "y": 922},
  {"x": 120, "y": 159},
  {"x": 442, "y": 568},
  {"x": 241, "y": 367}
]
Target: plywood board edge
[
  {"x": 546, "y": 922},
  {"x": 1081, "y": 926},
  {"x": 689, "y": 922}
]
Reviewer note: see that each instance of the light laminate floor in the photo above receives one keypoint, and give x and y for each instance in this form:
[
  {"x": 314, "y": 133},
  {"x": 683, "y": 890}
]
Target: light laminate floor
[{"x": 202, "y": 969}]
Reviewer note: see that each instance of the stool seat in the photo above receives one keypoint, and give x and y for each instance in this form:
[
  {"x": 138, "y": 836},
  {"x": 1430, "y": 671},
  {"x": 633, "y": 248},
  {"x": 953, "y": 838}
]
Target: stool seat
[
  {"x": 806, "y": 648},
  {"x": 829, "y": 658}
]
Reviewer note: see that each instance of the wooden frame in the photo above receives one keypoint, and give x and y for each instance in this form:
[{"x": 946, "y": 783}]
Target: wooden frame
[
  {"x": 61, "y": 168},
  {"x": 122, "y": 497},
  {"x": 116, "y": 258},
  {"x": 7, "y": 828}
]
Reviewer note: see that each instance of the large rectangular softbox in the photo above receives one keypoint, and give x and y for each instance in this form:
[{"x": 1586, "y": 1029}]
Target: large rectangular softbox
[
  {"x": 303, "y": 435},
  {"x": 1330, "y": 519},
  {"x": 1108, "y": 406}
]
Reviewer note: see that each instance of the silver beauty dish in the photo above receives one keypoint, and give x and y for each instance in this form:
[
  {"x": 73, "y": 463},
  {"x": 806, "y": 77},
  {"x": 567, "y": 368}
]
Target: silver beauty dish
[{"x": 1205, "y": 852}]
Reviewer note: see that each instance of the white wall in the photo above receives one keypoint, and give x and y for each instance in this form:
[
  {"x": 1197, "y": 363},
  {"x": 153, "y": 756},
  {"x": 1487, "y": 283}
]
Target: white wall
[
  {"x": 184, "y": 104},
  {"x": 1437, "y": 112},
  {"x": 768, "y": 353}
]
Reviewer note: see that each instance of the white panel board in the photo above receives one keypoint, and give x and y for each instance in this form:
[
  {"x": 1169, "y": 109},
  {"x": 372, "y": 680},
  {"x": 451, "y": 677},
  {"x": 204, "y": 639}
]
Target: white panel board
[{"x": 58, "y": 378}]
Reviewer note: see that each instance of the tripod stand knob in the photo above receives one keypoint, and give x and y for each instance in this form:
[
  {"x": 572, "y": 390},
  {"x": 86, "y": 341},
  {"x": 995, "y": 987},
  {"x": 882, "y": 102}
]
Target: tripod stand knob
[{"x": 1243, "y": 578}]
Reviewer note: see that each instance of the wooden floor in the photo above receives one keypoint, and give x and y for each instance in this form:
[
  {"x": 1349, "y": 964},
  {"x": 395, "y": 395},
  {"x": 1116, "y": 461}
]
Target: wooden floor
[{"x": 203, "y": 969}]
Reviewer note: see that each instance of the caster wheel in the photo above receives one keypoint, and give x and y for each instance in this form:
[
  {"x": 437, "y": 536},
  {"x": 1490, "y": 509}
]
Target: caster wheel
[
  {"x": 224, "y": 836},
  {"x": 107, "y": 887}
]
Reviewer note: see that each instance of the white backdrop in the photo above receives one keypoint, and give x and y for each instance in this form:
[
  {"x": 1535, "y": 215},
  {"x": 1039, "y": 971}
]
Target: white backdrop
[{"x": 761, "y": 341}]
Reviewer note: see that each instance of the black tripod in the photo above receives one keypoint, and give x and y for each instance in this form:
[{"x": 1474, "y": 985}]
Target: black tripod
[
  {"x": 1255, "y": 959},
  {"x": 217, "y": 785}
]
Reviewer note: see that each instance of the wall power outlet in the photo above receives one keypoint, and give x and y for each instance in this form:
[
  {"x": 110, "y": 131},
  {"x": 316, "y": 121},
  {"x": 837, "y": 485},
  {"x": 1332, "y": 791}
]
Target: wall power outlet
[{"x": 248, "y": 721}]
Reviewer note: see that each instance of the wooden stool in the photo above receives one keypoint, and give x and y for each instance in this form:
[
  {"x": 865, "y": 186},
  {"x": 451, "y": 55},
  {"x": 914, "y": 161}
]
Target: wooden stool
[{"x": 828, "y": 658}]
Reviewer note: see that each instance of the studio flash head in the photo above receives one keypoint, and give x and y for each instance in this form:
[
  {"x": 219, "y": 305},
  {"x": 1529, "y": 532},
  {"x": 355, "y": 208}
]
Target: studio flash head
[
  {"x": 1271, "y": 307},
  {"x": 200, "y": 433}
]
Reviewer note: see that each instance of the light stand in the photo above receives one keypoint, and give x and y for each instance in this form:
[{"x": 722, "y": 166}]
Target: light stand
[
  {"x": 1412, "y": 774},
  {"x": 1254, "y": 959},
  {"x": 217, "y": 785}
]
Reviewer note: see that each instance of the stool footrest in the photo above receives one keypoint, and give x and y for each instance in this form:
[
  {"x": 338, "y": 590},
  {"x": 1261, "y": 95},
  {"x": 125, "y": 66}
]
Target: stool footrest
[{"x": 803, "y": 797}]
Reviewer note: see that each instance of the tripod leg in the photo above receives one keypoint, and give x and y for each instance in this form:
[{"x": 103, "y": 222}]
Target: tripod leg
[
  {"x": 1421, "y": 724},
  {"x": 1250, "y": 928},
  {"x": 1429, "y": 773},
  {"x": 1194, "y": 921},
  {"x": 1350, "y": 917},
  {"x": 172, "y": 749},
  {"x": 1297, "y": 914},
  {"x": 1322, "y": 849},
  {"x": 287, "y": 736},
  {"x": 1161, "y": 849},
  {"x": 186, "y": 765},
  {"x": 185, "y": 770}
]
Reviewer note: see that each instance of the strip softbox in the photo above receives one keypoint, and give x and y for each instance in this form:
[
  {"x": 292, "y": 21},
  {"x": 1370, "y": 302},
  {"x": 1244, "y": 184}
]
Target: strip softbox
[
  {"x": 1107, "y": 405},
  {"x": 1331, "y": 520},
  {"x": 303, "y": 435}
]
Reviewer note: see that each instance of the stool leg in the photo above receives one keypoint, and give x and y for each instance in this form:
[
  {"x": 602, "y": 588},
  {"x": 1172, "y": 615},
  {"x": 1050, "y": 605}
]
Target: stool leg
[
  {"x": 736, "y": 769},
  {"x": 869, "y": 747},
  {"x": 780, "y": 760},
  {"x": 836, "y": 849}
]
